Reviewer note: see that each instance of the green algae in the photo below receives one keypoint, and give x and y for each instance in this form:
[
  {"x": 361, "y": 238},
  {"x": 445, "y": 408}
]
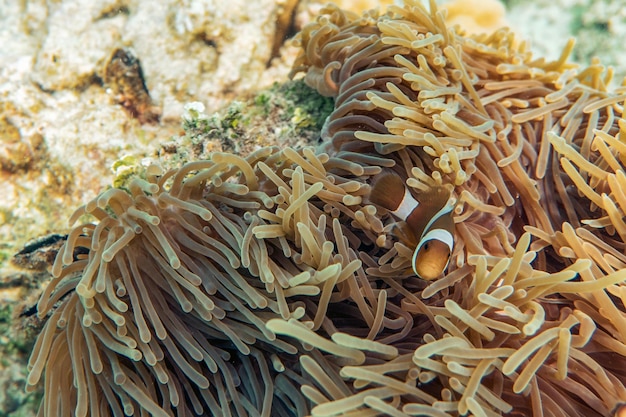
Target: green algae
[
  {"x": 285, "y": 114},
  {"x": 14, "y": 349}
]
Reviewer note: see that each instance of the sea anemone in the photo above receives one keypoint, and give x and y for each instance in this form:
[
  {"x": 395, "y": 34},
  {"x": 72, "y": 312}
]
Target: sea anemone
[
  {"x": 270, "y": 285},
  {"x": 534, "y": 151},
  {"x": 163, "y": 304}
]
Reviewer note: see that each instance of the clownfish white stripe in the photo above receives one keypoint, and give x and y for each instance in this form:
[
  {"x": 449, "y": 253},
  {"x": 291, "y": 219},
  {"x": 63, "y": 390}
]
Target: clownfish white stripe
[
  {"x": 441, "y": 235},
  {"x": 407, "y": 205}
]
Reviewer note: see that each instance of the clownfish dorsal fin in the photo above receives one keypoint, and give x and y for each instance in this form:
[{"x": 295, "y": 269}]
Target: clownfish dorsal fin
[{"x": 389, "y": 191}]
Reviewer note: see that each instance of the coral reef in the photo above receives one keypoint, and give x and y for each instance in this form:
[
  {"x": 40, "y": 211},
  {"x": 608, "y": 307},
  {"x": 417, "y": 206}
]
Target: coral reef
[
  {"x": 68, "y": 111},
  {"x": 597, "y": 26},
  {"x": 269, "y": 285}
]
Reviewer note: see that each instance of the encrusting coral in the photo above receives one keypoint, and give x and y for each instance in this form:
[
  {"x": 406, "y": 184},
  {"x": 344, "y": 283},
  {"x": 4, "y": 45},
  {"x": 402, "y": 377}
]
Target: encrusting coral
[{"x": 268, "y": 285}]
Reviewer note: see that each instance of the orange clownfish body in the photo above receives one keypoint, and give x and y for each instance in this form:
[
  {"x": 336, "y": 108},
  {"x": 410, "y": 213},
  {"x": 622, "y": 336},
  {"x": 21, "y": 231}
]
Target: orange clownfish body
[{"x": 428, "y": 224}]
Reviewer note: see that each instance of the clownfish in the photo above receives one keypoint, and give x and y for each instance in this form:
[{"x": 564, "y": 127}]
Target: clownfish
[
  {"x": 619, "y": 410},
  {"x": 428, "y": 224}
]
